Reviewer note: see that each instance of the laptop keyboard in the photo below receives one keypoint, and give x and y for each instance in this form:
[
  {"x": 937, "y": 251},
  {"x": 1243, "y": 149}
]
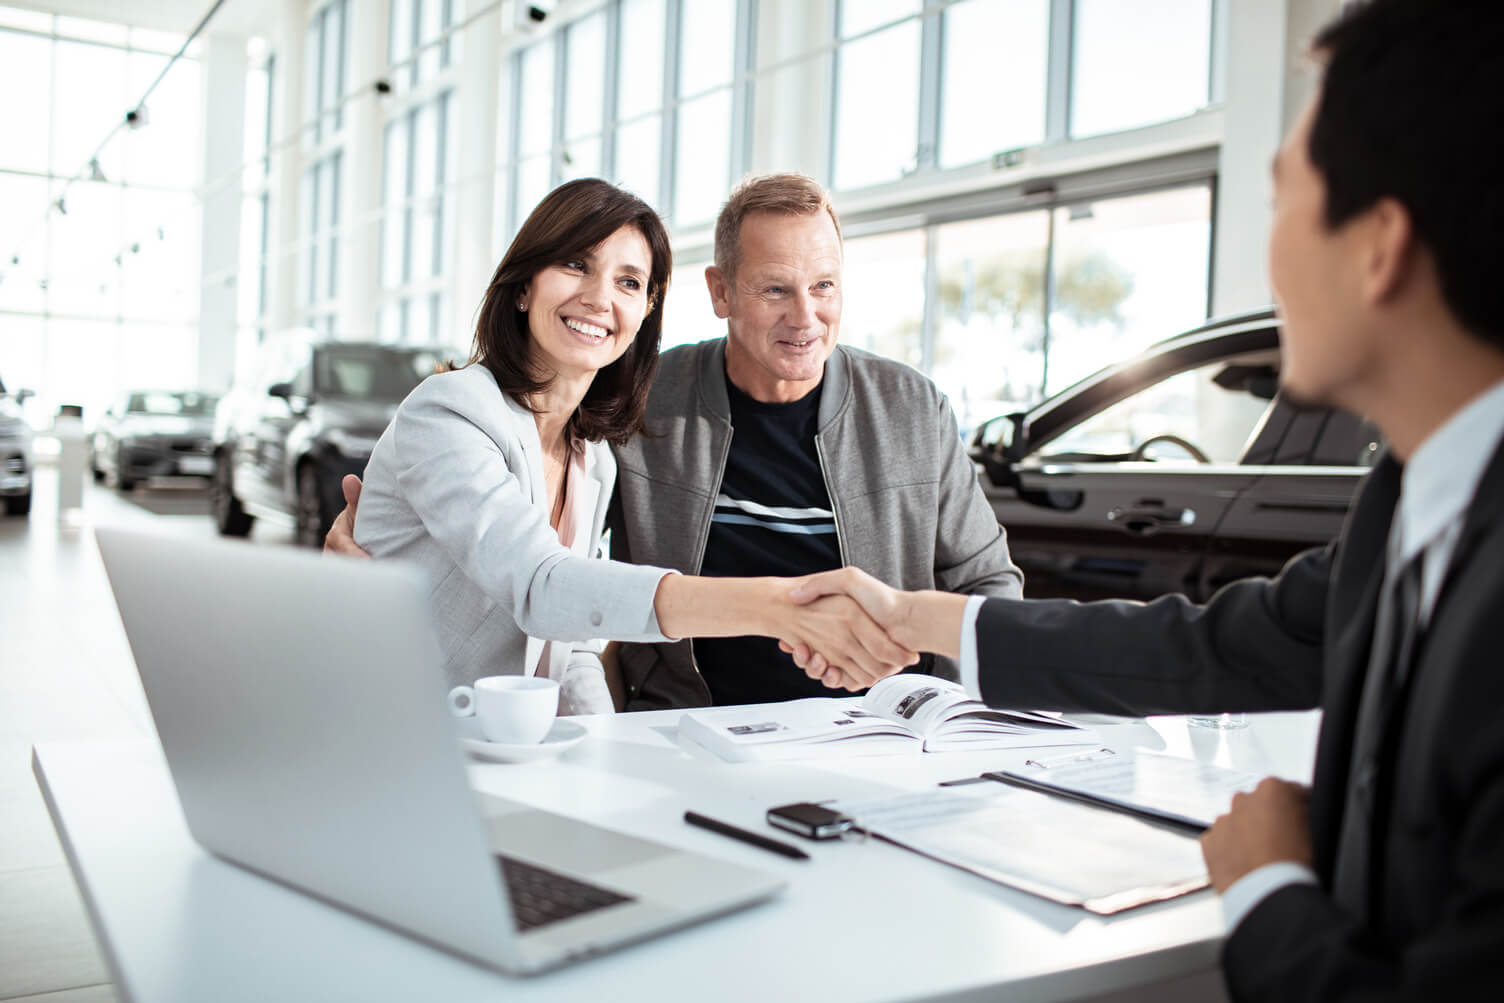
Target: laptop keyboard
[{"x": 541, "y": 896}]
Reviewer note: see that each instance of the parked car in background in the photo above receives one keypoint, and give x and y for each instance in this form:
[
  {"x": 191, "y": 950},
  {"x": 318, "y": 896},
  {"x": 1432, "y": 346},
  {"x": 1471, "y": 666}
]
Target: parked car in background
[
  {"x": 281, "y": 448},
  {"x": 1178, "y": 470},
  {"x": 154, "y": 433},
  {"x": 16, "y": 461}
]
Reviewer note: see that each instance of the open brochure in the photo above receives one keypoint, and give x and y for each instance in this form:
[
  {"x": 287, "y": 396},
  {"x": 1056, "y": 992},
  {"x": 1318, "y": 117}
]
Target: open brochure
[
  {"x": 1068, "y": 853},
  {"x": 903, "y": 713}
]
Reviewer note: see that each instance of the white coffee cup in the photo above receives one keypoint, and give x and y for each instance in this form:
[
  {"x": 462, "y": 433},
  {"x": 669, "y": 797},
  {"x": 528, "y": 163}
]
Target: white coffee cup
[{"x": 515, "y": 710}]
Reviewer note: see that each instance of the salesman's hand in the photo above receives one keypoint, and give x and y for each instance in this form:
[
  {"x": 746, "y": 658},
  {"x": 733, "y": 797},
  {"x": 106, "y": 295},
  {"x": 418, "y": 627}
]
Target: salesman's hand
[
  {"x": 854, "y": 651},
  {"x": 341, "y": 538},
  {"x": 1266, "y": 825}
]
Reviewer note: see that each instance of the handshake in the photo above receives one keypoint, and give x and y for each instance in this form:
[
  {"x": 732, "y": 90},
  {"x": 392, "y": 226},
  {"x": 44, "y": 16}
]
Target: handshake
[
  {"x": 843, "y": 627},
  {"x": 848, "y": 630}
]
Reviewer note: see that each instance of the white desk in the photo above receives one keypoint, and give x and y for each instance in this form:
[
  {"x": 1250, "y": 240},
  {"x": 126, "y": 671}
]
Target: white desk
[{"x": 858, "y": 921}]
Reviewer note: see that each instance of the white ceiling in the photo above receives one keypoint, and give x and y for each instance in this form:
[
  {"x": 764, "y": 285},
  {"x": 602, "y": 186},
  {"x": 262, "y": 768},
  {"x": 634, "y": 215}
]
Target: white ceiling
[{"x": 236, "y": 17}]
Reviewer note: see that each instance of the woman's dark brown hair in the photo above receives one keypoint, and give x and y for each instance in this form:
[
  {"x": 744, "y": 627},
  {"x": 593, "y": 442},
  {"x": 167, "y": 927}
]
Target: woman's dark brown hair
[{"x": 571, "y": 220}]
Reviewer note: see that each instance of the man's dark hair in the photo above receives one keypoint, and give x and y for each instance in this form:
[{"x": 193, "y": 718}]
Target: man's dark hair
[
  {"x": 571, "y": 220},
  {"x": 1411, "y": 105}
]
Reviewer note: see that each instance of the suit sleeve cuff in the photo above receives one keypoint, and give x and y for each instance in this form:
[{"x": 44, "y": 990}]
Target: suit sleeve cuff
[
  {"x": 969, "y": 658},
  {"x": 1258, "y": 884}
]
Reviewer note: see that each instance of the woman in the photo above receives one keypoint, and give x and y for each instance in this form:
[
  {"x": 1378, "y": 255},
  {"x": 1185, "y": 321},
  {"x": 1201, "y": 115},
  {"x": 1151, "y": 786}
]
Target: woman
[{"x": 495, "y": 478}]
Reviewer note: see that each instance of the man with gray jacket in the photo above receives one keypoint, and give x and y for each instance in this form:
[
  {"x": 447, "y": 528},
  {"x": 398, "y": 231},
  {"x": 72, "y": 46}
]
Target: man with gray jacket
[{"x": 776, "y": 451}]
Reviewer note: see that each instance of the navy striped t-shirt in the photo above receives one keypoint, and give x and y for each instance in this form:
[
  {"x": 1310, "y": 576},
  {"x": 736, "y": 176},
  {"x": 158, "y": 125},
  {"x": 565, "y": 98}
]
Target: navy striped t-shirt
[{"x": 772, "y": 517}]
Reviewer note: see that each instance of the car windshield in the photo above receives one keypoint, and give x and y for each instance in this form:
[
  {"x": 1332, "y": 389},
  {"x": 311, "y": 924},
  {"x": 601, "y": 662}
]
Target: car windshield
[
  {"x": 375, "y": 374},
  {"x": 188, "y": 405}
]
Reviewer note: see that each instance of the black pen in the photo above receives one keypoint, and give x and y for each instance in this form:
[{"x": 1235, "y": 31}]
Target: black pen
[{"x": 695, "y": 818}]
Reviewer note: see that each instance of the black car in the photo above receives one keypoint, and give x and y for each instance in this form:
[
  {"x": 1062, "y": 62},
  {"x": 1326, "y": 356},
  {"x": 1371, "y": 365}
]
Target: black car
[
  {"x": 154, "y": 433},
  {"x": 15, "y": 453},
  {"x": 1179, "y": 470},
  {"x": 280, "y": 451}
]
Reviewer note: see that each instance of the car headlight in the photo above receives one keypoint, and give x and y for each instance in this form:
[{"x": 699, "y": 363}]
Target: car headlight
[{"x": 351, "y": 444}]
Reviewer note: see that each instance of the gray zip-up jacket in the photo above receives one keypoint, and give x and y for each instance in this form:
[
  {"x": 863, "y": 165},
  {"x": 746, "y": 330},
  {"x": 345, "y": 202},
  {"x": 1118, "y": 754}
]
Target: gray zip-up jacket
[{"x": 908, "y": 509}]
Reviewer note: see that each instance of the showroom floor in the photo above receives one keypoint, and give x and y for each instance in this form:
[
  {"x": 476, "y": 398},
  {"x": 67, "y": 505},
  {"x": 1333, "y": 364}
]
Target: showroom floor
[{"x": 66, "y": 675}]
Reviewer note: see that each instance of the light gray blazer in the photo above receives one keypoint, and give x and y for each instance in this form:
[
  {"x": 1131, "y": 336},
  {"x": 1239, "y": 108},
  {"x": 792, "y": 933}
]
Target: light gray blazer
[{"x": 455, "y": 485}]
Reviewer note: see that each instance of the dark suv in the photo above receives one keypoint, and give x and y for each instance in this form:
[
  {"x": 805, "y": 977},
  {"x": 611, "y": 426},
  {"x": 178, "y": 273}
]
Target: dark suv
[
  {"x": 1178, "y": 470},
  {"x": 15, "y": 453},
  {"x": 280, "y": 449}
]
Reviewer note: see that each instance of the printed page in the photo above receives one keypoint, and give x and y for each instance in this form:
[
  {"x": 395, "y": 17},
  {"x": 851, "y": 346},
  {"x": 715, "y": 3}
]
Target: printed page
[
  {"x": 1185, "y": 790},
  {"x": 919, "y": 701},
  {"x": 941, "y": 711},
  {"x": 1066, "y": 852}
]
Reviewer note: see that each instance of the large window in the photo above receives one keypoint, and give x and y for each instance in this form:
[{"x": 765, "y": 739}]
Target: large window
[
  {"x": 877, "y": 94},
  {"x": 924, "y": 85},
  {"x": 99, "y": 225},
  {"x": 639, "y": 98},
  {"x": 255, "y": 199},
  {"x": 326, "y": 60},
  {"x": 989, "y": 296},
  {"x": 707, "y": 65},
  {"x": 416, "y": 246},
  {"x": 994, "y": 76},
  {"x": 650, "y": 93},
  {"x": 418, "y": 190},
  {"x": 1137, "y": 63},
  {"x": 882, "y": 295}
]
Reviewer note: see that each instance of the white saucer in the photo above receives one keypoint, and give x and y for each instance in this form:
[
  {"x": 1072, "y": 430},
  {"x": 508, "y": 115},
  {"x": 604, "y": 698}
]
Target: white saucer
[{"x": 564, "y": 734}]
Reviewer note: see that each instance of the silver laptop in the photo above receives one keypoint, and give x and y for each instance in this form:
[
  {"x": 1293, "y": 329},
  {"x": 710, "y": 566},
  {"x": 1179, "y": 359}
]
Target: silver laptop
[{"x": 302, "y": 709}]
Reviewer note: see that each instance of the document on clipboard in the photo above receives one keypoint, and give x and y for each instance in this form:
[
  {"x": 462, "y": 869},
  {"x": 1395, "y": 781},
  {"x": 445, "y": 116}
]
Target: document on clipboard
[
  {"x": 1185, "y": 793},
  {"x": 1101, "y": 861}
]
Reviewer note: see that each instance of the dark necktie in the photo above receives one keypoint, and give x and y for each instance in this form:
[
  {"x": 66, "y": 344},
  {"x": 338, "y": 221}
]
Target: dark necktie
[{"x": 1396, "y": 630}]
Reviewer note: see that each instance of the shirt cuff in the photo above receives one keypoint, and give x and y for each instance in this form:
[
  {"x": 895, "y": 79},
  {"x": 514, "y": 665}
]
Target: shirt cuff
[
  {"x": 1258, "y": 884},
  {"x": 969, "y": 658},
  {"x": 652, "y": 624}
]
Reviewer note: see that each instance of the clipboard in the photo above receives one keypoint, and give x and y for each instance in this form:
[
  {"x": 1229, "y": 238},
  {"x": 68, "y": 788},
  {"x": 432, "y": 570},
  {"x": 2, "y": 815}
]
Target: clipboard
[
  {"x": 1186, "y": 795},
  {"x": 1038, "y": 844}
]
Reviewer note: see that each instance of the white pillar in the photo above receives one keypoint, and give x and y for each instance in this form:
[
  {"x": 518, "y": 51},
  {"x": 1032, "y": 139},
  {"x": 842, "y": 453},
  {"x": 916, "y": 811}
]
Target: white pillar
[
  {"x": 476, "y": 114},
  {"x": 1269, "y": 80},
  {"x": 359, "y": 279},
  {"x": 223, "y": 111}
]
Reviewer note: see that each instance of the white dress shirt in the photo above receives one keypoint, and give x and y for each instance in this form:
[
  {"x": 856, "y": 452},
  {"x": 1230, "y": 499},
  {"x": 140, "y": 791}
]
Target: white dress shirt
[{"x": 1436, "y": 489}]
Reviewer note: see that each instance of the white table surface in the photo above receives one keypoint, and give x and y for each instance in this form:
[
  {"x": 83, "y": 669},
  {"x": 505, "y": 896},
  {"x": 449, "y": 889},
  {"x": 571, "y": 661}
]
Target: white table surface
[{"x": 859, "y": 921}]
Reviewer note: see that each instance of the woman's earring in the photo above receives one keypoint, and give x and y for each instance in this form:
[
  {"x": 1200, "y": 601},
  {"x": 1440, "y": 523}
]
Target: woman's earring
[{"x": 522, "y": 305}]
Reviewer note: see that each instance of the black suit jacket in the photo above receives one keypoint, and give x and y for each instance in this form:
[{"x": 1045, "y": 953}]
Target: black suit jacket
[{"x": 1433, "y": 928}]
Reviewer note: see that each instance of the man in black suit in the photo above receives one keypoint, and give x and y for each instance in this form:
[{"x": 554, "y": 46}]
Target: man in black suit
[{"x": 1384, "y": 880}]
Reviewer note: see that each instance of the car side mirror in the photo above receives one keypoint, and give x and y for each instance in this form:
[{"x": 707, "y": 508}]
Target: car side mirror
[
  {"x": 997, "y": 458},
  {"x": 23, "y": 395},
  {"x": 283, "y": 390}
]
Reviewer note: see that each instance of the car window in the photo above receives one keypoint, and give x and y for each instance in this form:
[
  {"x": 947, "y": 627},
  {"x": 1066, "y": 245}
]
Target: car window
[
  {"x": 186, "y": 404},
  {"x": 379, "y": 374},
  {"x": 1315, "y": 437},
  {"x": 1191, "y": 405},
  {"x": 302, "y": 384}
]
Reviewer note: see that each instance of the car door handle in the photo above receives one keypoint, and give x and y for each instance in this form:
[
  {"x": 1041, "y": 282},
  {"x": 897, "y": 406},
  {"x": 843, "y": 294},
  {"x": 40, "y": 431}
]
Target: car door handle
[{"x": 1148, "y": 521}]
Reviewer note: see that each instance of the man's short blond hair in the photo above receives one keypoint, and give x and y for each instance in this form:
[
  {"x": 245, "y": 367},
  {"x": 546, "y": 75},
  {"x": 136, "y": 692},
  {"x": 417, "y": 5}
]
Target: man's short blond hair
[{"x": 783, "y": 194}]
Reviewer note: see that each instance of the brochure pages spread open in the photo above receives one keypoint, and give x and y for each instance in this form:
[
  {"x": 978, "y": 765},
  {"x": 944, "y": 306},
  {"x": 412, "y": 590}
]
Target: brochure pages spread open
[
  {"x": 903, "y": 713},
  {"x": 1070, "y": 853}
]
